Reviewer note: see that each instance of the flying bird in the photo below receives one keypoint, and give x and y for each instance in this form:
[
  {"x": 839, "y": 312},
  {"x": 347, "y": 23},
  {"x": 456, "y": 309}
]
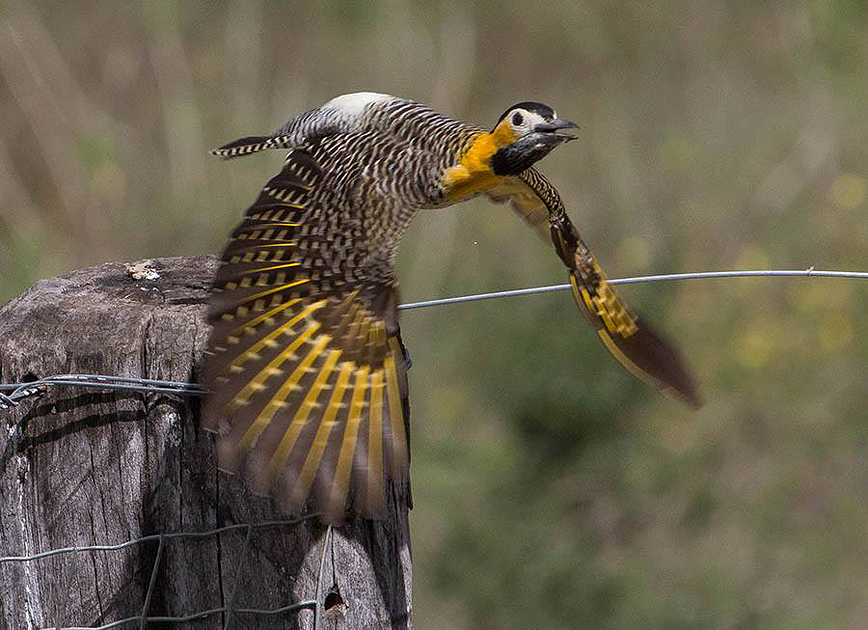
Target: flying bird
[{"x": 306, "y": 363}]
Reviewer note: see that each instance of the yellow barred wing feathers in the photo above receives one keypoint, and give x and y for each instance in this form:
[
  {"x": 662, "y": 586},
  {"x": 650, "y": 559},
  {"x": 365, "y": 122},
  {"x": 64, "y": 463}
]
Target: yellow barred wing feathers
[
  {"x": 627, "y": 336},
  {"x": 306, "y": 369}
]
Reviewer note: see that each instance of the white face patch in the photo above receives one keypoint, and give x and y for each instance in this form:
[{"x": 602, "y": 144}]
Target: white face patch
[
  {"x": 524, "y": 122},
  {"x": 351, "y": 105}
]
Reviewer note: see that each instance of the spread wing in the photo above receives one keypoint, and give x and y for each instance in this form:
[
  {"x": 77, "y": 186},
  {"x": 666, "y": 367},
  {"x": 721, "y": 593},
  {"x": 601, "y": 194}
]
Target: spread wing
[
  {"x": 305, "y": 361},
  {"x": 624, "y": 333}
]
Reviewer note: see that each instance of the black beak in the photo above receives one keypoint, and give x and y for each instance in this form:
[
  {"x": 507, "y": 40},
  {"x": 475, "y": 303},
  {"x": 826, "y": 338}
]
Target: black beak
[
  {"x": 554, "y": 125},
  {"x": 525, "y": 151}
]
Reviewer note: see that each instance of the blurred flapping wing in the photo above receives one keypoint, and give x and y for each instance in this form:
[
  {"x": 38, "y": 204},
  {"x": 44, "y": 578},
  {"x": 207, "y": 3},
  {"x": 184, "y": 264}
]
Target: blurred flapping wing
[
  {"x": 630, "y": 340},
  {"x": 305, "y": 364}
]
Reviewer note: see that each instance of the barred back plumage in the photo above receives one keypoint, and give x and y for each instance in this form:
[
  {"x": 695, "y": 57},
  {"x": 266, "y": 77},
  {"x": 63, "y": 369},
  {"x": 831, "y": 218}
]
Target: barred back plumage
[{"x": 307, "y": 365}]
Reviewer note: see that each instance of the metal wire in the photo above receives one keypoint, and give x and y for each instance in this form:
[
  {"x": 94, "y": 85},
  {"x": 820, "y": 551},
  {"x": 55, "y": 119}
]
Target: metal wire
[
  {"x": 320, "y": 610},
  {"x": 20, "y": 391},
  {"x": 810, "y": 272},
  {"x": 143, "y": 619},
  {"x": 152, "y": 537}
]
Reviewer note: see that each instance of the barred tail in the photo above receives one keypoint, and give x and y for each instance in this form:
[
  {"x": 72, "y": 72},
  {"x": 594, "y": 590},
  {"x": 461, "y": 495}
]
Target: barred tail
[
  {"x": 251, "y": 144},
  {"x": 636, "y": 346}
]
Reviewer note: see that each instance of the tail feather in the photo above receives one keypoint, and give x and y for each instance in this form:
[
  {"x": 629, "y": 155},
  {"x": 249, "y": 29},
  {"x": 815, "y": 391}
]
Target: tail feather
[{"x": 251, "y": 144}]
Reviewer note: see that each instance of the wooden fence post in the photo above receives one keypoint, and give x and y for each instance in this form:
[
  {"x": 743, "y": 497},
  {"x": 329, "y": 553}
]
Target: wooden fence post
[{"x": 81, "y": 467}]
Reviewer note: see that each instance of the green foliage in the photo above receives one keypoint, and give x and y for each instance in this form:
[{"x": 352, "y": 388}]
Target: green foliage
[{"x": 552, "y": 489}]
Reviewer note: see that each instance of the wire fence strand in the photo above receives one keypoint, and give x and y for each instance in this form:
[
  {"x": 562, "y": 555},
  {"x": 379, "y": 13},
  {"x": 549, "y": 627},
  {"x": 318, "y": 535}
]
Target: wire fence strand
[
  {"x": 20, "y": 391},
  {"x": 666, "y": 277},
  {"x": 142, "y": 619}
]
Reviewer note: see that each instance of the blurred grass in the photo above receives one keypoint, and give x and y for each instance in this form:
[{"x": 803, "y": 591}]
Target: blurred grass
[{"x": 552, "y": 489}]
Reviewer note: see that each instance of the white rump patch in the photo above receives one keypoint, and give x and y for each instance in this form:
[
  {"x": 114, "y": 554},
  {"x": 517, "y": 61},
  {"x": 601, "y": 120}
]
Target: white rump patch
[{"x": 351, "y": 105}]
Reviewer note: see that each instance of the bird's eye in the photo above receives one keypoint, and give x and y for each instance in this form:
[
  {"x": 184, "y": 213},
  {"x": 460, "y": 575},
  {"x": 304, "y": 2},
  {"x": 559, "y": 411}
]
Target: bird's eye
[{"x": 517, "y": 119}]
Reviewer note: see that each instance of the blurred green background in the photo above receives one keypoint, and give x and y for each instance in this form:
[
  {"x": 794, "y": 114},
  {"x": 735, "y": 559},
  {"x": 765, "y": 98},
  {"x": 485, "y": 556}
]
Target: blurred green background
[{"x": 552, "y": 489}]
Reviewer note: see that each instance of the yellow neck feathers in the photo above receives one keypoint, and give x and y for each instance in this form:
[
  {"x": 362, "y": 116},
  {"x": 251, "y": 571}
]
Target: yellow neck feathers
[{"x": 473, "y": 172}]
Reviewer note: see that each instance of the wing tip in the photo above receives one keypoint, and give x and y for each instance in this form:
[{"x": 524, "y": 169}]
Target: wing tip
[
  {"x": 646, "y": 354},
  {"x": 689, "y": 397}
]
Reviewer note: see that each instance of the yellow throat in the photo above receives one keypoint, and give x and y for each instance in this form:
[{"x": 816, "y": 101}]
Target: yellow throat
[{"x": 473, "y": 173}]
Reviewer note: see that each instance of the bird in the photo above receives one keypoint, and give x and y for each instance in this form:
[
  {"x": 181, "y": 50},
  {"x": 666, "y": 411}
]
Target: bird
[{"x": 305, "y": 361}]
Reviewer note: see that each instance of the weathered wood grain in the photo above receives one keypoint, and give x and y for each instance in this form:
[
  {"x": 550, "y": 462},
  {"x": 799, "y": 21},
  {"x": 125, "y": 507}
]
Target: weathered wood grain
[{"x": 83, "y": 467}]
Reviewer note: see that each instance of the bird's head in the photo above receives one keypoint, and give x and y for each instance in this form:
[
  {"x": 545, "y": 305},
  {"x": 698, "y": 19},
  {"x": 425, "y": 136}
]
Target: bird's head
[{"x": 524, "y": 134}]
